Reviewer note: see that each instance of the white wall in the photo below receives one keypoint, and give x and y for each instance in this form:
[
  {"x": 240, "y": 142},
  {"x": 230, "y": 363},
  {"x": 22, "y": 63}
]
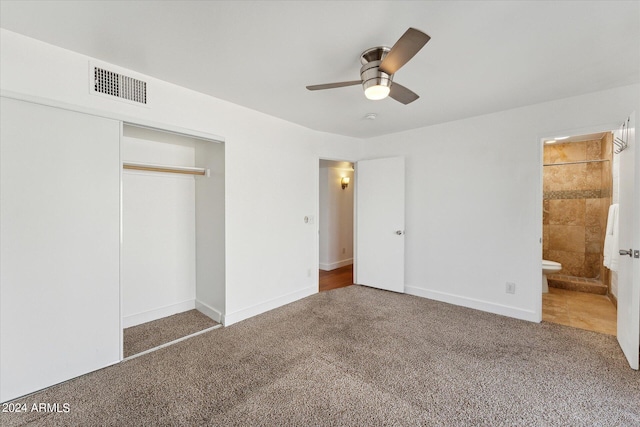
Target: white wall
[
  {"x": 473, "y": 186},
  {"x": 473, "y": 215},
  {"x": 270, "y": 169},
  {"x": 336, "y": 218},
  {"x": 210, "y": 231}
]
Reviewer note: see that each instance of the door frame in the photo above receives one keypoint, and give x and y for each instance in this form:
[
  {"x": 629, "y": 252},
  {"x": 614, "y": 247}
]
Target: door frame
[
  {"x": 607, "y": 127},
  {"x": 610, "y": 127},
  {"x": 317, "y": 215}
]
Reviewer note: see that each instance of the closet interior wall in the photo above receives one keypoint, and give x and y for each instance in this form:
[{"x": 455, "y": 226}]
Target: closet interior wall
[{"x": 172, "y": 227}]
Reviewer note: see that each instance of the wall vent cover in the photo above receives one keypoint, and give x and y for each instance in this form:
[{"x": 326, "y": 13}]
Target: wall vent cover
[{"x": 118, "y": 85}]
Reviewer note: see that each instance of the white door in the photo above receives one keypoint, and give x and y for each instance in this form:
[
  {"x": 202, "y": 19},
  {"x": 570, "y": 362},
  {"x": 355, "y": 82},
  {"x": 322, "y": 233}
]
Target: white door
[
  {"x": 380, "y": 224},
  {"x": 59, "y": 246},
  {"x": 629, "y": 266}
]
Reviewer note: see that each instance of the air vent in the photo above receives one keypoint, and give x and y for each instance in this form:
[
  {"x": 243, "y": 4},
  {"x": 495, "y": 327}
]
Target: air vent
[{"x": 118, "y": 85}]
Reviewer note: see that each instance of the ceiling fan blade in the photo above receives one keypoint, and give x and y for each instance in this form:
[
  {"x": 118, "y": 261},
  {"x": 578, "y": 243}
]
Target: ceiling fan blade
[
  {"x": 402, "y": 94},
  {"x": 334, "y": 85},
  {"x": 405, "y": 48}
]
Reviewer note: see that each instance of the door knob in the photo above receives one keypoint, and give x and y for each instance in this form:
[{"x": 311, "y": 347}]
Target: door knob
[
  {"x": 399, "y": 232},
  {"x": 624, "y": 252}
]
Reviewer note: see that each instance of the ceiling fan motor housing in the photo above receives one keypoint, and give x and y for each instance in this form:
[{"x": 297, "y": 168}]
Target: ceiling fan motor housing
[{"x": 370, "y": 73}]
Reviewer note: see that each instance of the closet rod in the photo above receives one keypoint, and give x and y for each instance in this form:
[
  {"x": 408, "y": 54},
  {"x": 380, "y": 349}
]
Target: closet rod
[
  {"x": 165, "y": 169},
  {"x": 575, "y": 163}
]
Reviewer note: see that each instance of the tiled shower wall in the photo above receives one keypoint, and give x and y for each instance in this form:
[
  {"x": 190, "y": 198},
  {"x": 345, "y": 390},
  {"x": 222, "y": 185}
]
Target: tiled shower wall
[{"x": 576, "y": 202}]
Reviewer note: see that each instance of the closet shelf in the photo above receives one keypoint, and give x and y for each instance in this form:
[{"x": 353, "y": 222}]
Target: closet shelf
[{"x": 165, "y": 168}]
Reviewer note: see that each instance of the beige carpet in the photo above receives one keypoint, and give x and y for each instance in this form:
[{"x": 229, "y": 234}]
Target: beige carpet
[
  {"x": 361, "y": 357},
  {"x": 152, "y": 334}
]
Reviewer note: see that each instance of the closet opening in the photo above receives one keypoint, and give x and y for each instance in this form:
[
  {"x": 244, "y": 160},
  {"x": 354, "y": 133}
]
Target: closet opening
[{"x": 172, "y": 274}]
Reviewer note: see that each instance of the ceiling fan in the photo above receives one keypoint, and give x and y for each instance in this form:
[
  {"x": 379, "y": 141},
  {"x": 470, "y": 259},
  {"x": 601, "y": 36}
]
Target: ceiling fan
[{"x": 380, "y": 63}]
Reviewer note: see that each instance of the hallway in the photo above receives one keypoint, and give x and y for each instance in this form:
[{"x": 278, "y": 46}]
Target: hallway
[{"x": 338, "y": 278}]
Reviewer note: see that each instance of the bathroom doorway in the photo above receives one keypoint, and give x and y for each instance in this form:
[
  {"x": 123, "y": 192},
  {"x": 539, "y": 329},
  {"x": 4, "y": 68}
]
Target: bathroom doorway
[
  {"x": 578, "y": 189},
  {"x": 335, "y": 224}
]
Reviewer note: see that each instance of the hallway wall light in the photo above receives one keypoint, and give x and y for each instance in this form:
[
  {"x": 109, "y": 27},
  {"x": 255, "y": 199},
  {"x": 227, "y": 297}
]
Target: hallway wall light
[{"x": 344, "y": 181}]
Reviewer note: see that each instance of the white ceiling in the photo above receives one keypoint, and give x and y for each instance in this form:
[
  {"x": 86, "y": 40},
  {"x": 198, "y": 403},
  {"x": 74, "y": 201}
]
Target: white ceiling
[{"x": 484, "y": 56}]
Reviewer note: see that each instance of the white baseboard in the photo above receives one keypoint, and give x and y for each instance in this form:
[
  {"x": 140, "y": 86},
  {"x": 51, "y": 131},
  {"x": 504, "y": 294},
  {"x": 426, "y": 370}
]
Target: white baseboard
[
  {"x": 209, "y": 311},
  {"x": 333, "y": 265},
  {"x": 254, "y": 310},
  {"x": 158, "y": 313},
  {"x": 490, "y": 307}
]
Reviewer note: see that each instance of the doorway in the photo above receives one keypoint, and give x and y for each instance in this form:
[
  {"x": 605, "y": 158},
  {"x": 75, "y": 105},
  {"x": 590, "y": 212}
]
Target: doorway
[
  {"x": 335, "y": 224},
  {"x": 578, "y": 189}
]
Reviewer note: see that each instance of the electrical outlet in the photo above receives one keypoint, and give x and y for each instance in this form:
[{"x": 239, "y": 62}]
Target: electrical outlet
[
  {"x": 309, "y": 272},
  {"x": 343, "y": 250},
  {"x": 510, "y": 288}
]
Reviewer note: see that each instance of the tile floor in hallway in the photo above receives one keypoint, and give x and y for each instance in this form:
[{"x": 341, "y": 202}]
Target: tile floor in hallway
[{"x": 580, "y": 310}]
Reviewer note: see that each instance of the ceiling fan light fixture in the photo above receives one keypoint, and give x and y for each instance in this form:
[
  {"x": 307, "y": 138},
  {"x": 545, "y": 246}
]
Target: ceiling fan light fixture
[
  {"x": 376, "y": 83},
  {"x": 380, "y": 63},
  {"x": 377, "y": 92}
]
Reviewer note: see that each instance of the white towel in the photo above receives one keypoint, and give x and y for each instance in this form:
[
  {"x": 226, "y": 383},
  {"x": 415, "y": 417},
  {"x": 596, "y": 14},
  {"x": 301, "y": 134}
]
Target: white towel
[{"x": 611, "y": 254}]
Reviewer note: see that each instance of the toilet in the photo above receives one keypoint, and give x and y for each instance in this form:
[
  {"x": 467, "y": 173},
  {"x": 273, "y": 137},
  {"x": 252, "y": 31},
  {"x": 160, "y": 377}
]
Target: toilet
[{"x": 548, "y": 267}]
